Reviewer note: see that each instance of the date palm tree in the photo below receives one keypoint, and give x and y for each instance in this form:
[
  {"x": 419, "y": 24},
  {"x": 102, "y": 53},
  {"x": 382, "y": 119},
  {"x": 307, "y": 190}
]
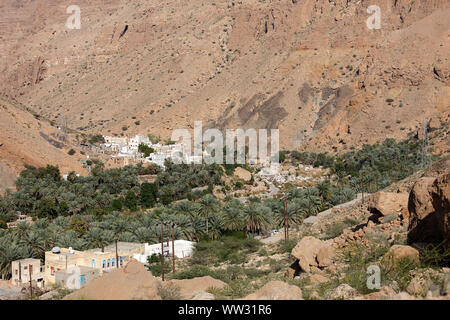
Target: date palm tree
[
  {"x": 208, "y": 206},
  {"x": 232, "y": 215},
  {"x": 256, "y": 218}
]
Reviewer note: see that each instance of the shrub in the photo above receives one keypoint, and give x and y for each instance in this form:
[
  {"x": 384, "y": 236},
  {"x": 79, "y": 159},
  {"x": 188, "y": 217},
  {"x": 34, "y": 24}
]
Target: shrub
[
  {"x": 71, "y": 152},
  {"x": 169, "y": 291}
]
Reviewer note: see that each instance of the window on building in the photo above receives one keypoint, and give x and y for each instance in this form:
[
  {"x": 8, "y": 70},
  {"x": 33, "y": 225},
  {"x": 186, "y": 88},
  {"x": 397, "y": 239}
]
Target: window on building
[
  {"x": 93, "y": 263},
  {"x": 113, "y": 262},
  {"x": 52, "y": 271},
  {"x": 109, "y": 263},
  {"x": 104, "y": 264},
  {"x": 17, "y": 271},
  {"x": 121, "y": 261}
]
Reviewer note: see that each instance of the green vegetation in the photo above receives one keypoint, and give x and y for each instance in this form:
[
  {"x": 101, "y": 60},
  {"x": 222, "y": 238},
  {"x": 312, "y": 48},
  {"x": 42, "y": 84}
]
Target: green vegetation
[
  {"x": 96, "y": 139},
  {"x": 112, "y": 205},
  {"x": 169, "y": 291},
  {"x": 373, "y": 167},
  {"x": 145, "y": 149}
]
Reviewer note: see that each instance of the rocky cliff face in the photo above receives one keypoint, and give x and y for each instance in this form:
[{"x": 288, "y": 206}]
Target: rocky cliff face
[
  {"x": 310, "y": 68},
  {"x": 429, "y": 206}
]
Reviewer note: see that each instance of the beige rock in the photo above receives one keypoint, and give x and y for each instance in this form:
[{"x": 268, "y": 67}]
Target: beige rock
[
  {"x": 133, "y": 282},
  {"x": 317, "y": 278},
  {"x": 429, "y": 206},
  {"x": 343, "y": 291},
  {"x": 243, "y": 174},
  {"x": 276, "y": 290},
  {"x": 385, "y": 203},
  {"x": 190, "y": 287},
  {"x": 325, "y": 256},
  {"x": 398, "y": 252},
  {"x": 307, "y": 250}
]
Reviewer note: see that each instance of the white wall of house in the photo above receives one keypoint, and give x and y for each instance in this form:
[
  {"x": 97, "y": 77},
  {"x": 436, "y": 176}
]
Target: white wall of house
[{"x": 183, "y": 249}]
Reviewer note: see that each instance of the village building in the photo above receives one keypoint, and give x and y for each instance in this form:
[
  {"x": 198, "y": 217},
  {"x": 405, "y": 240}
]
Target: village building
[
  {"x": 183, "y": 249},
  {"x": 25, "y": 270},
  {"x": 20, "y": 218},
  {"x": 84, "y": 275},
  {"x": 62, "y": 259}
]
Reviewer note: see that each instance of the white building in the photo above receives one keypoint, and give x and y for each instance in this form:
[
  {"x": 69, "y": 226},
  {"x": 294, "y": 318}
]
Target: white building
[
  {"x": 157, "y": 158},
  {"x": 183, "y": 249},
  {"x": 134, "y": 143}
]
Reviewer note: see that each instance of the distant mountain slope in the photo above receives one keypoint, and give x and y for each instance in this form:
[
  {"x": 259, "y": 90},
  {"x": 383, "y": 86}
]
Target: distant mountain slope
[
  {"x": 26, "y": 140},
  {"x": 311, "y": 68}
]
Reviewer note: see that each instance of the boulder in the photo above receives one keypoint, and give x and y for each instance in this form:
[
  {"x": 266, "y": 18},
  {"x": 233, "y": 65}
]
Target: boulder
[
  {"x": 384, "y": 203},
  {"x": 318, "y": 278},
  {"x": 243, "y": 174},
  {"x": 307, "y": 249},
  {"x": 325, "y": 256},
  {"x": 342, "y": 292},
  {"x": 276, "y": 290},
  {"x": 429, "y": 207},
  {"x": 398, "y": 252},
  {"x": 189, "y": 288},
  {"x": 133, "y": 282}
]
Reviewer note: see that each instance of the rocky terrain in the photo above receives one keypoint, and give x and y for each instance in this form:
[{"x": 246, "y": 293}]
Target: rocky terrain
[
  {"x": 25, "y": 139},
  {"x": 311, "y": 68},
  {"x": 329, "y": 256}
]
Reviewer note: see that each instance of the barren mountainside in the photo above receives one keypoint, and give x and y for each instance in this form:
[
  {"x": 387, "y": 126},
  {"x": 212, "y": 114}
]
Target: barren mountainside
[{"x": 311, "y": 68}]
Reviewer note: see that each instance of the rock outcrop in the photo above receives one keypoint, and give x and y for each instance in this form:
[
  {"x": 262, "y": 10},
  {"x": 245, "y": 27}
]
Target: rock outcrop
[
  {"x": 191, "y": 288},
  {"x": 313, "y": 252},
  {"x": 382, "y": 204},
  {"x": 133, "y": 282},
  {"x": 429, "y": 207},
  {"x": 399, "y": 252},
  {"x": 243, "y": 174},
  {"x": 276, "y": 290}
]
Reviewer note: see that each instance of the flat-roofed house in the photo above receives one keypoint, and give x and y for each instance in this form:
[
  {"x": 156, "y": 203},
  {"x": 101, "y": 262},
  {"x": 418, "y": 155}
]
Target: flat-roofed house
[
  {"x": 62, "y": 259},
  {"x": 21, "y": 270}
]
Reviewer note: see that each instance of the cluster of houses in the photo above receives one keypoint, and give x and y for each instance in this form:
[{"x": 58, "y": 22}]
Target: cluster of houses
[
  {"x": 128, "y": 148},
  {"x": 73, "y": 269}
]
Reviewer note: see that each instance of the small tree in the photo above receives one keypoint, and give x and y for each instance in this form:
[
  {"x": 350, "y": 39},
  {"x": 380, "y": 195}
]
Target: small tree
[
  {"x": 131, "y": 201},
  {"x": 145, "y": 149},
  {"x": 149, "y": 192},
  {"x": 117, "y": 204}
]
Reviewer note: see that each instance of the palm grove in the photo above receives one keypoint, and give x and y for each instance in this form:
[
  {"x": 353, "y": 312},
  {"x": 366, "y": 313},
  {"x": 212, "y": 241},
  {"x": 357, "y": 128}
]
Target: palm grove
[{"x": 111, "y": 205}]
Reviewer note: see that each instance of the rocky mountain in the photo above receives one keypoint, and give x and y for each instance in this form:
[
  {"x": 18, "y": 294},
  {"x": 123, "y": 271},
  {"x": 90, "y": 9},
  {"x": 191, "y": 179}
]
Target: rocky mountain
[
  {"x": 311, "y": 68},
  {"x": 27, "y": 140}
]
